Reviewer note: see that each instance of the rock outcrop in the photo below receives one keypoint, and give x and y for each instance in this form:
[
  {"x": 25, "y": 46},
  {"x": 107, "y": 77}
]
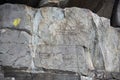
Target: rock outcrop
[{"x": 51, "y": 39}]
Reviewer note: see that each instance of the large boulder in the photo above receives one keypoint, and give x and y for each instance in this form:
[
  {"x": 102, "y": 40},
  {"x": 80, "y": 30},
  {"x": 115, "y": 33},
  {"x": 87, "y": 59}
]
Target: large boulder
[{"x": 71, "y": 39}]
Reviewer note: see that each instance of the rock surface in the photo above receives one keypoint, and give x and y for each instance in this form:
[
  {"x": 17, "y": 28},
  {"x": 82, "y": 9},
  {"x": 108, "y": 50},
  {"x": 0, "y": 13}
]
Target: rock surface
[{"x": 71, "y": 39}]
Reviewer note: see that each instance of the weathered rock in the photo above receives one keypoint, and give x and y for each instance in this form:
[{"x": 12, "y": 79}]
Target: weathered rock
[
  {"x": 14, "y": 41},
  {"x": 71, "y": 39}
]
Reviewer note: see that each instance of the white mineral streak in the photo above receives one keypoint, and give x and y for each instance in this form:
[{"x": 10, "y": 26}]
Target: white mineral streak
[
  {"x": 86, "y": 78},
  {"x": 34, "y": 40},
  {"x": 71, "y": 39}
]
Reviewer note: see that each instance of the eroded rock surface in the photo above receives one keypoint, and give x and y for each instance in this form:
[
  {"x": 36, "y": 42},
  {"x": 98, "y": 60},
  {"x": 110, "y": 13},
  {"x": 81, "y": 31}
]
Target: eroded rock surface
[{"x": 71, "y": 39}]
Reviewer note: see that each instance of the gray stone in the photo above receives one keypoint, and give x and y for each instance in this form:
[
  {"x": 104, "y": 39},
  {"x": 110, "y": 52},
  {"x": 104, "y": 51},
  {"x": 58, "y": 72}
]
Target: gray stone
[{"x": 71, "y": 39}]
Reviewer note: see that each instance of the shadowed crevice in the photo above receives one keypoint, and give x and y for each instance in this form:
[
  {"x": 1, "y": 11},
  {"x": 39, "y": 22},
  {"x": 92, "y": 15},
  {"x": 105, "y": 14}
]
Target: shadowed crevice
[
  {"x": 94, "y": 5},
  {"x": 18, "y": 29}
]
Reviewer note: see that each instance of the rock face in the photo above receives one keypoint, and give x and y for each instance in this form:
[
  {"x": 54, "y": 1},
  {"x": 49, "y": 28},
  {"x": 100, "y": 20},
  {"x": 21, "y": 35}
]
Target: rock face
[{"x": 71, "y": 39}]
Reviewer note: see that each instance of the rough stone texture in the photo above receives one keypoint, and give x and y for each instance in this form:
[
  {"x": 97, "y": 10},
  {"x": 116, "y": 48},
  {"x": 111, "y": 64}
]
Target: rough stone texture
[
  {"x": 71, "y": 39},
  {"x": 14, "y": 41}
]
